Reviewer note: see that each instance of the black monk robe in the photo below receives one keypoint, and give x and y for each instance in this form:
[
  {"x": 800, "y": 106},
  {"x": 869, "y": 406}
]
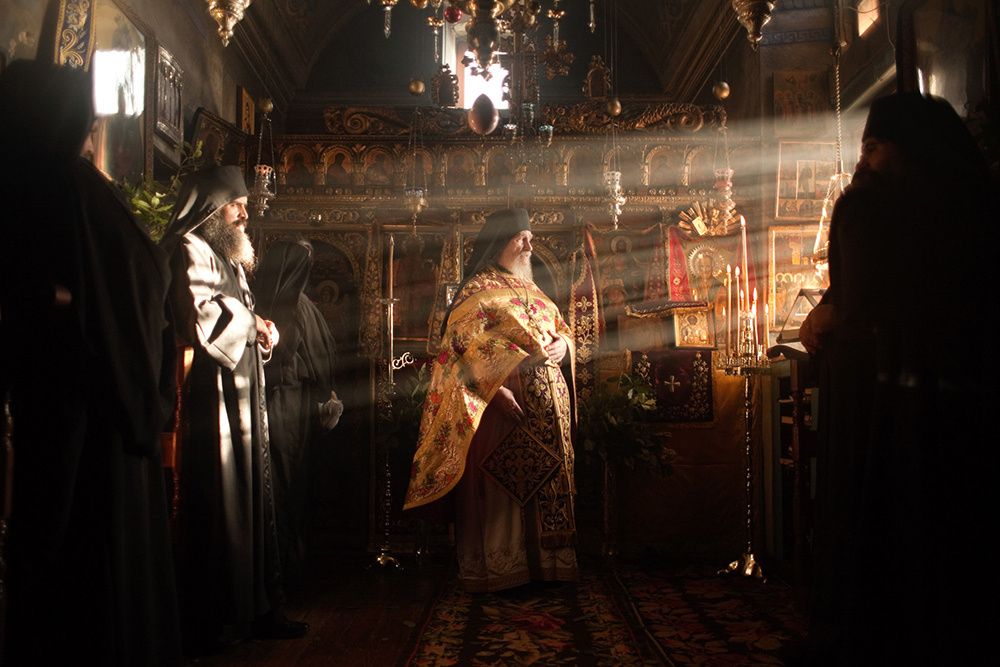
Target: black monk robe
[
  {"x": 300, "y": 376},
  {"x": 229, "y": 570},
  {"x": 90, "y": 574}
]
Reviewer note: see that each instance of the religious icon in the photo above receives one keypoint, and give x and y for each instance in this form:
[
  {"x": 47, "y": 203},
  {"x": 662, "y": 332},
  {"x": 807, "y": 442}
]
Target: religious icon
[
  {"x": 378, "y": 171},
  {"x": 499, "y": 172},
  {"x": 339, "y": 172},
  {"x": 584, "y": 170},
  {"x": 662, "y": 172},
  {"x": 804, "y": 172},
  {"x": 791, "y": 269},
  {"x": 801, "y": 102},
  {"x": 245, "y": 111},
  {"x": 414, "y": 276},
  {"x": 298, "y": 175},
  {"x": 460, "y": 173}
]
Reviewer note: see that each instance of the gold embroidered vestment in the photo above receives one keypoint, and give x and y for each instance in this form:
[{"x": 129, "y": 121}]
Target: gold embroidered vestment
[{"x": 498, "y": 322}]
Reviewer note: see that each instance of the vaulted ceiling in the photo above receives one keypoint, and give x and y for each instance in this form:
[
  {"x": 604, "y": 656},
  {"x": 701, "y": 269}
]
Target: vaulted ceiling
[{"x": 680, "y": 40}]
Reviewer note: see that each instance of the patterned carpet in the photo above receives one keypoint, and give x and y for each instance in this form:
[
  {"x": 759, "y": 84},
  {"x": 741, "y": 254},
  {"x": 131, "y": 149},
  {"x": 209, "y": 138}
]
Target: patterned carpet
[
  {"x": 685, "y": 616},
  {"x": 697, "y": 617}
]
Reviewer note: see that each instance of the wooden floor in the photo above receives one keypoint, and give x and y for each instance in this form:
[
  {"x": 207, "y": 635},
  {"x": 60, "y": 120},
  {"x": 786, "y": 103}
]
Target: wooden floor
[{"x": 359, "y": 615}]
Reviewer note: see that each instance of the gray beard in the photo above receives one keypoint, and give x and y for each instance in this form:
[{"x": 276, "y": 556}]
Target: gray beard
[
  {"x": 522, "y": 268},
  {"x": 228, "y": 241}
]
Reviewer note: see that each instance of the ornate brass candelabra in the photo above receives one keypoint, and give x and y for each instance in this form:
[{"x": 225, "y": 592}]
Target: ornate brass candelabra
[{"x": 747, "y": 358}]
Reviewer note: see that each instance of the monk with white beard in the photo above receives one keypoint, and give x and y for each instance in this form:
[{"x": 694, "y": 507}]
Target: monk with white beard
[{"x": 497, "y": 422}]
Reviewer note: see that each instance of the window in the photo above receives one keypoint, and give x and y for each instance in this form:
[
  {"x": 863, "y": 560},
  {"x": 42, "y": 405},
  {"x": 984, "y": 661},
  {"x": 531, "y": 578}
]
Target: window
[
  {"x": 474, "y": 85},
  {"x": 471, "y": 86},
  {"x": 868, "y": 12}
]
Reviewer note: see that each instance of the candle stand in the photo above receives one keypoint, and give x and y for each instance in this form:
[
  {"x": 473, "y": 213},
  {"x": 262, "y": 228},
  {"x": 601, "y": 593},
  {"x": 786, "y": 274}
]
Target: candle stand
[
  {"x": 746, "y": 358},
  {"x": 386, "y": 390}
]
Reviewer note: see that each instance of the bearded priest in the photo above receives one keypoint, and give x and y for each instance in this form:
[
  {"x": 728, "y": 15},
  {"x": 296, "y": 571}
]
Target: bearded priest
[
  {"x": 498, "y": 420},
  {"x": 229, "y": 575}
]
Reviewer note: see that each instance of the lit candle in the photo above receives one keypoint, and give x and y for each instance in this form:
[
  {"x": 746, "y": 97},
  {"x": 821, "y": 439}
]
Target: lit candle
[
  {"x": 766, "y": 324},
  {"x": 739, "y": 298},
  {"x": 741, "y": 341},
  {"x": 729, "y": 305},
  {"x": 392, "y": 245},
  {"x": 746, "y": 272},
  {"x": 389, "y": 315},
  {"x": 725, "y": 318},
  {"x": 756, "y": 337}
]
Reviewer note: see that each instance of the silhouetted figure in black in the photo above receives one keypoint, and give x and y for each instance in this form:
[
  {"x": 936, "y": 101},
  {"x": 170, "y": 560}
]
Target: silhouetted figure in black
[
  {"x": 88, "y": 361},
  {"x": 905, "y": 491}
]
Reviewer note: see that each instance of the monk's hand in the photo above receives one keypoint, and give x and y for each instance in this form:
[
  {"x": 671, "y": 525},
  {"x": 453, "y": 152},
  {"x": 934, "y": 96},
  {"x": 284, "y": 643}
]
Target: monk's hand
[
  {"x": 818, "y": 322},
  {"x": 508, "y": 405},
  {"x": 267, "y": 333},
  {"x": 556, "y": 350},
  {"x": 272, "y": 333}
]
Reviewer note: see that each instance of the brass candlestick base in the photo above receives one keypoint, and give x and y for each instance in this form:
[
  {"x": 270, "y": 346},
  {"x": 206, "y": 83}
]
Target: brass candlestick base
[
  {"x": 385, "y": 560},
  {"x": 746, "y": 565}
]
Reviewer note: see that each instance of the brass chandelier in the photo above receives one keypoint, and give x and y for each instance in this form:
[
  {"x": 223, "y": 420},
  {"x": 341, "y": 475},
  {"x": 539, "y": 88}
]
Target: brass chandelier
[
  {"x": 753, "y": 15},
  {"x": 227, "y": 13}
]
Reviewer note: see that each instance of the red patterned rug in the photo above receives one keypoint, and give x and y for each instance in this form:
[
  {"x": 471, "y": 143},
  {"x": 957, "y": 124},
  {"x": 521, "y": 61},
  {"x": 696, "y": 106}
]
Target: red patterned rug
[
  {"x": 568, "y": 624},
  {"x": 678, "y": 616},
  {"x": 697, "y": 617}
]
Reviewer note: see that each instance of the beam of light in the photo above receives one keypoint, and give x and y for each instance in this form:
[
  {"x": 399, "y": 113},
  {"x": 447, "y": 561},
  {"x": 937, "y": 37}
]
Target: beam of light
[{"x": 119, "y": 78}]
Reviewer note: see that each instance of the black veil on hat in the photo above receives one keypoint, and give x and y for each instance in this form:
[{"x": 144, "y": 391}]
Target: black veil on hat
[
  {"x": 499, "y": 229},
  {"x": 932, "y": 136},
  {"x": 898, "y": 118},
  {"x": 203, "y": 193},
  {"x": 46, "y": 112},
  {"x": 281, "y": 276}
]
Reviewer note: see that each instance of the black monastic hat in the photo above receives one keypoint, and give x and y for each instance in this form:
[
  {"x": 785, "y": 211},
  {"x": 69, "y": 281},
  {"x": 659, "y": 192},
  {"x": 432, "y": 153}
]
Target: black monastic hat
[{"x": 203, "y": 193}]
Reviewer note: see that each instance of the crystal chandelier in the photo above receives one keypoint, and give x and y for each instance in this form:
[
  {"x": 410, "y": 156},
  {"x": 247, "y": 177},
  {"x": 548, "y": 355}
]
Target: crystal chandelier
[{"x": 227, "y": 13}]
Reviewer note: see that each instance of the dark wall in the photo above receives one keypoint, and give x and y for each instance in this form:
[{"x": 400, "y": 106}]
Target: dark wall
[
  {"x": 361, "y": 67},
  {"x": 211, "y": 72}
]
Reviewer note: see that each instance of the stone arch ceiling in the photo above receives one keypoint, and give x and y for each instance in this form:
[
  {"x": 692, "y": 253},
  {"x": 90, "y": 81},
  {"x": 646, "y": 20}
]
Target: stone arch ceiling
[{"x": 681, "y": 39}]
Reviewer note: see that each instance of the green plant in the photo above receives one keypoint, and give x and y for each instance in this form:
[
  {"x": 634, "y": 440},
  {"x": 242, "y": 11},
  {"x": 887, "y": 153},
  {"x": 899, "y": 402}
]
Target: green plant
[
  {"x": 615, "y": 425},
  {"x": 400, "y": 425},
  {"x": 153, "y": 202}
]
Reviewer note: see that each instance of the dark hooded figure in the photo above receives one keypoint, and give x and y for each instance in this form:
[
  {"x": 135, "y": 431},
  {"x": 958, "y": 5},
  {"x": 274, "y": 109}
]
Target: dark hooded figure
[
  {"x": 905, "y": 494},
  {"x": 230, "y": 574},
  {"x": 301, "y": 403},
  {"x": 88, "y": 366}
]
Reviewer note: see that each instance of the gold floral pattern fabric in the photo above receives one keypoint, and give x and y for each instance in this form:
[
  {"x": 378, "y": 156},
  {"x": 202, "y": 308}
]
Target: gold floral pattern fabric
[
  {"x": 520, "y": 463},
  {"x": 497, "y": 322}
]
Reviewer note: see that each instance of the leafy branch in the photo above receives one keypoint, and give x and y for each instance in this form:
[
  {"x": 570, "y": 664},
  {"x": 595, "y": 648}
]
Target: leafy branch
[
  {"x": 153, "y": 202},
  {"x": 400, "y": 425},
  {"x": 615, "y": 426}
]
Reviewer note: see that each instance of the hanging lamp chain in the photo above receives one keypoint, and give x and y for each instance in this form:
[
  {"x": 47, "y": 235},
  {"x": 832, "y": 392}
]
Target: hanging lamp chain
[{"x": 840, "y": 127}]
